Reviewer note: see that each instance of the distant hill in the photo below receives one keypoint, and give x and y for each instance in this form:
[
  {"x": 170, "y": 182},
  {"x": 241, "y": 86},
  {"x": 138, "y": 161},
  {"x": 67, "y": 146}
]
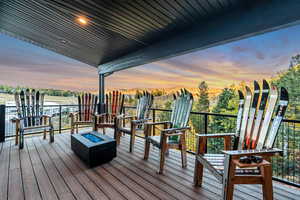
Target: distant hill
[{"x": 213, "y": 92}]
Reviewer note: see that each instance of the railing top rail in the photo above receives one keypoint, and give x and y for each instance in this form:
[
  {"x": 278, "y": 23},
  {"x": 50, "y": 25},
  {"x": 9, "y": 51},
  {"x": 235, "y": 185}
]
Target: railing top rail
[{"x": 212, "y": 114}]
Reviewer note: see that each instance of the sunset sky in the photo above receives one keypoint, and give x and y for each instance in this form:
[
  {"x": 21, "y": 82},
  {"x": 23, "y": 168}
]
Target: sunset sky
[{"x": 254, "y": 58}]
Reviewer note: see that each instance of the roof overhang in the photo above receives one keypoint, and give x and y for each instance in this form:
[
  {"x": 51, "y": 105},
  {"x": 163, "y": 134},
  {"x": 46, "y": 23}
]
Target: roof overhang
[
  {"x": 124, "y": 34},
  {"x": 266, "y": 17}
]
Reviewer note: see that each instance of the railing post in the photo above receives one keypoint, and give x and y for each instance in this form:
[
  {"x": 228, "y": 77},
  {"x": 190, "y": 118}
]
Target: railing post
[
  {"x": 205, "y": 123},
  {"x": 153, "y": 119},
  {"x": 205, "y": 128},
  {"x": 59, "y": 123},
  {"x": 2, "y": 123}
]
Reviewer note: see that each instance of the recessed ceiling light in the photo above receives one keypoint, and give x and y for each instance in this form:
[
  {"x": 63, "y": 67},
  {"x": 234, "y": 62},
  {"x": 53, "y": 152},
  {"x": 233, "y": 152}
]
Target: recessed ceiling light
[{"x": 82, "y": 20}]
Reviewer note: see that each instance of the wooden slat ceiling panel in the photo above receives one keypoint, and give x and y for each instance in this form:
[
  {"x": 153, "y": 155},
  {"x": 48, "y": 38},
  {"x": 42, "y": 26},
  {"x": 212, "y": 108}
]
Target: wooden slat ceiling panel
[{"x": 115, "y": 27}]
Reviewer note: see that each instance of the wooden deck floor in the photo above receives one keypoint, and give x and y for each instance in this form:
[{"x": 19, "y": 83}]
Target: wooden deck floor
[{"x": 51, "y": 171}]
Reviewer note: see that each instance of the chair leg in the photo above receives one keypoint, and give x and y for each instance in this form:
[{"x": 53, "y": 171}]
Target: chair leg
[
  {"x": 77, "y": 128},
  {"x": 147, "y": 149},
  {"x": 267, "y": 184},
  {"x": 17, "y": 135},
  {"x": 198, "y": 174},
  {"x": 163, "y": 150},
  {"x": 118, "y": 137},
  {"x": 132, "y": 140},
  {"x": 229, "y": 173},
  {"x": 45, "y": 134},
  {"x": 183, "y": 151}
]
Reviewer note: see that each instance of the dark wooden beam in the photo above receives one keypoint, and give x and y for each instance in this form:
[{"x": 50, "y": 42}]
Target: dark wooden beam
[{"x": 245, "y": 22}]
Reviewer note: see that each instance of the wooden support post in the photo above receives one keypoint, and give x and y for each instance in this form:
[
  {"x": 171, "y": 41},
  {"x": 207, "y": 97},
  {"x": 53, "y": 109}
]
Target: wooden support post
[
  {"x": 2, "y": 123},
  {"x": 101, "y": 106}
]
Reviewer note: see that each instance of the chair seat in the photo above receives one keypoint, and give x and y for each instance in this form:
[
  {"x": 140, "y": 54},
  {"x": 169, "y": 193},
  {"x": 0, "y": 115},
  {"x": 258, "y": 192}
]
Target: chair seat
[
  {"x": 127, "y": 130},
  {"x": 155, "y": 140},
  {"x": 217, "y": 162},
  {"x": 83, "y": 122},
  {"x": 106, "y": 124}
]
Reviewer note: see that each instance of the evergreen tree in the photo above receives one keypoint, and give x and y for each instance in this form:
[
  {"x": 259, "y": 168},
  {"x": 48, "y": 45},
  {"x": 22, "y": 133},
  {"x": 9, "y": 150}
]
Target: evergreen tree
[
  {"x": 201, "y": 105},
  {"x": 227, "y": 104}
]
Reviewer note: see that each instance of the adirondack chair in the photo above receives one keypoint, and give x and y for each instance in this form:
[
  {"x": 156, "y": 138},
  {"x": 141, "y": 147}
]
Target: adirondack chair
[
  {"x": 87, "y": 104},
  {"x": 114, "y": 102},
  {"x": 30, "y": 117},
  {"x": 144, "y": 104},
  {"x": 173, "y": 134},
  {"x": 254, "y": 138}
]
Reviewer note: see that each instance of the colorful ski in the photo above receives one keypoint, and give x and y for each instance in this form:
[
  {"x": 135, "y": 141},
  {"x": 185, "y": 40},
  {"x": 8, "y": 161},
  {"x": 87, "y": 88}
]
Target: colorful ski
[
  {"x": 85, "y": 107},
  {"x": 268, "y": 117},
  {"x": 33, "y": 114},
  {"x": 281, "y": 108},
  {"x": 89, "y": 107},
  {"x": 28, "y": 114},
  {"x": 245, "y": 117},
  {"x": 22, "y": 98},
  {"x": 260, "y": 113},
  {"x": 252, "y": 113},
  {"x": 37, "y": 108},
  {"x": 79, "y": 107},
  {"x": 18, "y": 106}
]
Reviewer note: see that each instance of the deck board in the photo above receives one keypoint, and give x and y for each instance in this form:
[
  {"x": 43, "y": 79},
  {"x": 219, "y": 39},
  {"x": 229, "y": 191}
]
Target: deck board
[{"x": 52, "y": 171}]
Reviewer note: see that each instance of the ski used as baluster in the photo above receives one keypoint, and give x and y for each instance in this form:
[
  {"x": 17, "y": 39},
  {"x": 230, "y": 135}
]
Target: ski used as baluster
[
  {"x": 268, "y": 117},
  {"x": 260, "y": 113},
  {"x": 281, "y": 108},
  {"x": 247, "y": 105},
  {"x": 252, "y": 113}
]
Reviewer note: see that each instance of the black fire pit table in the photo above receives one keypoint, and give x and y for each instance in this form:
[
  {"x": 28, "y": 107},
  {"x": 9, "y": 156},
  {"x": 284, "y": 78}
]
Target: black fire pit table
[{"x": 93, "y": 148}]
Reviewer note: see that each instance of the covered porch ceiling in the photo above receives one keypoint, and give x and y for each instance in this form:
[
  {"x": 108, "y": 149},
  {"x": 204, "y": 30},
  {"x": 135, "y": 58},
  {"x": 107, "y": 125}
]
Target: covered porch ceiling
[{"x": 127, "y": 33}]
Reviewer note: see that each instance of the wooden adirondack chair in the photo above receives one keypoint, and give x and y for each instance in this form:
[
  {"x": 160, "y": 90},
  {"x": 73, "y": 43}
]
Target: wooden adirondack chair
[
  {"x": 254, "y": 136},
  {"x": 174, "y": 133},
  {"x": 114, "y": 102},
  {"x": 87, "y": 104},
  {"x": 144, "y": 104},
  {"x": 30, "y": 117}
]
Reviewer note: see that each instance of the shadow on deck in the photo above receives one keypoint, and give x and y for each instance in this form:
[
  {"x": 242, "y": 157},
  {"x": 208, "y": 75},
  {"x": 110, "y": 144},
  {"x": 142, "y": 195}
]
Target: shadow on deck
[{"x": 52, "y": 171}]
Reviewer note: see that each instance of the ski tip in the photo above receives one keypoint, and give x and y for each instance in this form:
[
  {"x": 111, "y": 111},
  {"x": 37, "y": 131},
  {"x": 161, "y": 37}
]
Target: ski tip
[
  {"x": 241, "y": 95},
  {"x": 284, "y": 95},
  {"x": 248, "y": 90},
  {"x": 256, "y": 85},
  {"x": 266, "y": 85},
  {"x": 174, "y": 96}
]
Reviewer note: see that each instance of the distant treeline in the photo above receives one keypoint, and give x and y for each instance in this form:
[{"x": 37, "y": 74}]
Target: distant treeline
[{"x": 50, "y": 92}]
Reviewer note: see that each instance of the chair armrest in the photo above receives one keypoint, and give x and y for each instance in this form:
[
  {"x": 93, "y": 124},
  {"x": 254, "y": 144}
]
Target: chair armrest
[
  {"x": 15, "y": 119},
  {"x": 158, "y": 123},
  {"x": 216, "y": 135},
  {"x": 140, "y": 121},
  {"x": 122, "y": 117},
  {"x": 73, "y": 114},
  {"x": 45, "y": 116},
  {"x": 252, "y": 152},
  {"x": 174, "y": 131}
]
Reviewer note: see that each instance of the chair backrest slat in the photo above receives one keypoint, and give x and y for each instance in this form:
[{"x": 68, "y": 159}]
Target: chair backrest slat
[
  {"x": 144, "y": 105},
  {"x": 245, "y": 117},
  {"x": 29, "y": 105},
  {"x": 114, "y": 103},
  {"x": 87, "y": 104},
  {"x": 254, "y": 125},
  {"x": 182, "y": 106}
]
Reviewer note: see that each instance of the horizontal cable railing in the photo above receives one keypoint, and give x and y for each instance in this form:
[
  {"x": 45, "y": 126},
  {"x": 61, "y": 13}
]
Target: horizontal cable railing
[{"x": 285, "y": 168}]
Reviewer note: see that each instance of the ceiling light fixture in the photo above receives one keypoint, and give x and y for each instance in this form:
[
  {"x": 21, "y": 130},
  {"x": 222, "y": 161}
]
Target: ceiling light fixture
[{"x": 82, "y": 20}]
